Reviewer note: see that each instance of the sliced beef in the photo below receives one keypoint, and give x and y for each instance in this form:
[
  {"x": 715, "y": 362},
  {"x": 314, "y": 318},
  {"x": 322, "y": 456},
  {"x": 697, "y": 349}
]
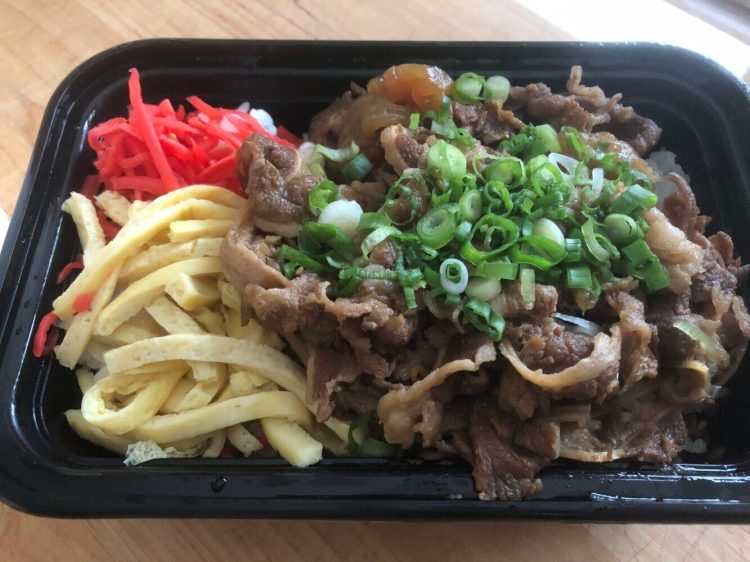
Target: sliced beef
[
  {"x": 719, "y": 267},
  {"x": 276, "y": 183},
  {"x": 359, "y": 120},
  {"x": 402, "y": 150},
  {"x": 734, "y": 333},
  {"x": 586, "y": 109},
  {"x": 384, "y": 255},
  {"x": 663, "y": 307},
  {"x": 723, "y": 244},
  {"x": 680, "y": 207},
  {"x": 355, "y": 399},
  {"x": 507, "y": 455},
  {"x": 572, "y": 372},
  {"x": 408, "y": 411},
  {"x": 649, "y": 430},
  {"x": 249, "y": 258},
  {"x": 542, "y": 106},
  {"x": 660, "y": 440},
  {"x": 681, "y": 258},
  {"x": 636, "y": 359},
  {"x": 326, "y": 126},
  {"x": 293, "y": 310},
  {"x": 370, "y": 195},
  {"x": 548, "y": 346},
  {"x": 509, "y": 303},
  {"x": 488, "y": 121},
  {"x": 515, "y": 394},
  {"x": 327, "y": 369}
]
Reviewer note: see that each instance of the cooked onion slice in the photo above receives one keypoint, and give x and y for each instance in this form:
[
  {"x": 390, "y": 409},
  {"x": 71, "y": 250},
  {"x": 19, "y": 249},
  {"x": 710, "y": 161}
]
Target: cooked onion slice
[
  {"x": 606, "y": 352},
  {"x": 584, "y": 327}
]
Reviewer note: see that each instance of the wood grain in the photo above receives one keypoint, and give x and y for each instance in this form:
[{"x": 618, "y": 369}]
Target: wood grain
[{"x": 40, "y": 43}]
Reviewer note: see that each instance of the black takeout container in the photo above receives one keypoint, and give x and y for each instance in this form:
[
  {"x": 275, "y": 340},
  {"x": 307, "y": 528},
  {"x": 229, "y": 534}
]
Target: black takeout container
[{"x": 46, "y": 469}]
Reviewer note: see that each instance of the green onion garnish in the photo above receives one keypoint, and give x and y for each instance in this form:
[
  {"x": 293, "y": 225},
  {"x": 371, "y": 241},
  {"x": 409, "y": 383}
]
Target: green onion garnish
[
  {"x": 549, "y": 230},
  {"x": 575, "y": 143},
  {"x": 414, "y": 121},
  {"x": 491, "y": 231},
  {"x": 293, "y": 255},
  {"x": 548, "y": 136},
  {"x": 453, "y": 276},
  {"x": 376, "y": 237},
  {"x": 497, "y": 197},
  {"x": 497, "y": 88},
  {"x": 497, "y": 270},
  {"x": 437, "y": 227},
  {"x": 358, "y": 168},
  {"x": 483, "y": 289},
  {"x": 338, "y": 154},
  {"x": 468, "y": 88},
  {"x": 462, "y": 231},
  {"x": 368, "y": 221},
  {"x": 572, "y": 250},
  {"x": 537, "y": 251},
  {"x": 702, "y": 338},
  {"x": 622, "y": 229},
  {"x": 578, "y": 277},
  {"x": 483, "y": 318},
  {"x": 634, "y": 199},
  {"x": 645, "y": 265},
  {"x": 509, "y": 170},
  {"x": 321, "y": 195},
  {"x": 592, "y": 244},
  {"x": 639, "y": 253},
  {"x": 445, "y": 161},
  {"x": 528, "y": 288},
  {"x": 470, "y": 205}
]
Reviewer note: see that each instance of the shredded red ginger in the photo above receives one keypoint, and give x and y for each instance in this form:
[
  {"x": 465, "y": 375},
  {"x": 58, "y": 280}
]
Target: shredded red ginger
[{"x": 158, "y": 149}]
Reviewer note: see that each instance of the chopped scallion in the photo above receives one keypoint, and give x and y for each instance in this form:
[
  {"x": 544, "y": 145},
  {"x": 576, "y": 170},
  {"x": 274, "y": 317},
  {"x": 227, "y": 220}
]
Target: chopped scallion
[
  {"x": 358, "y": 168},
  {"x": 480, "y": 315},
  {"x": 528, "y": 287},
  {"x": 454, "y": 276},
  {"x": 468, "y": 88},
  {"x": 497, "y": 88},
  {"x": 321, "y": 195},
  {"x": 338, "y": 154},
  {"x": 592, "y": 244},
  {"x": 437, "y": 227}
]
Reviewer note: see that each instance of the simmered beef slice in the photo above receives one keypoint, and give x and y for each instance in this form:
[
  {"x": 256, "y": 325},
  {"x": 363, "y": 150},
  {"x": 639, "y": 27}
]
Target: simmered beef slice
[
  {"x": 506, "y": 454},
  {"x": 488, "y": 121},
  {"x": 416, "y": 411},
  {"x": 548, "y": 346},
  {"x": 359, "y": 119},
  {"x": 680, "y": 207},
  {"x": 249, "y": 258},
  {"x": 650, "y": 430},
  {"x": 719, "y": 267},
  {"x": 276, "y": 183},
  {"x": 402, "y": 149},
  {"x": 327, "y": 369},
  {"x": 636, "y": 359},
  {"x": 517, "y": 395},
  {"x": 586, "y": 109},
  {"x": 545, "y": 348},
  {"x": 293, "y": 310},
  {"x": 510, "y": 305}
]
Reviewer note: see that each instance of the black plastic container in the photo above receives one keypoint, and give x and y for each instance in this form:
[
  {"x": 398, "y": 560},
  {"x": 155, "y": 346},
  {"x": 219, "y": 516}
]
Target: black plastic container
[{"x": 46, "y": 469}]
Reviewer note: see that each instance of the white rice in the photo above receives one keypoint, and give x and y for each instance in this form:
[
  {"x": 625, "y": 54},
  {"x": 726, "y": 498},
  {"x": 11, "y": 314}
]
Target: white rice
[{"x": 662, "y": 162}]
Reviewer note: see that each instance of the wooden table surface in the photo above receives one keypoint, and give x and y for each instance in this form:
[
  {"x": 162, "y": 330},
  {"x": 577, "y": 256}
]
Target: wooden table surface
[{"x": 40, "y": 42}]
